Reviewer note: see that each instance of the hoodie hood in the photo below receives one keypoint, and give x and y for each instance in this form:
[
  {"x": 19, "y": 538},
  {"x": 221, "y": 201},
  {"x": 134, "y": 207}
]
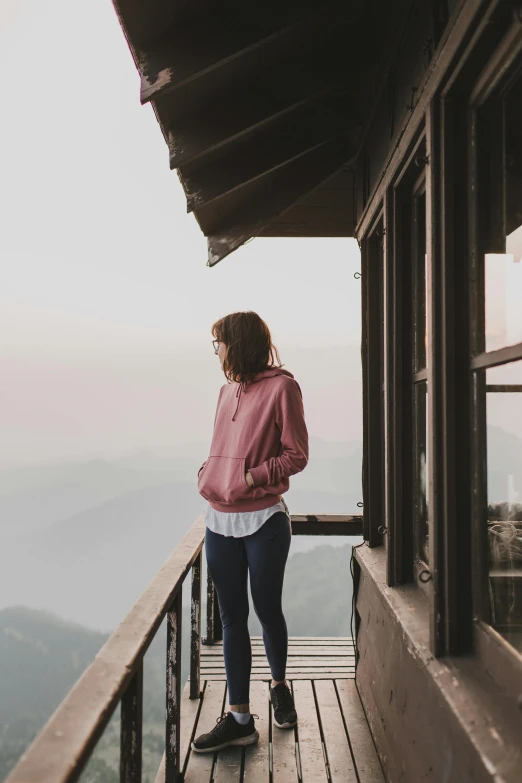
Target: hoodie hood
[{"x": 269, "y": 372}]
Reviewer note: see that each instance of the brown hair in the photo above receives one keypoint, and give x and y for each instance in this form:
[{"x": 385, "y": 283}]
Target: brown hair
[{"x": 249, "y": 344}]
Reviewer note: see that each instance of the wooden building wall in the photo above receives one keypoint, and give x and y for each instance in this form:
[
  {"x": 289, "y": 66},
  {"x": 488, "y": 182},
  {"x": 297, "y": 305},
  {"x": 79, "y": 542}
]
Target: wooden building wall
[
  {"x": 398, "y": 96},
  {"x": 432, "y": 719},
  {"x": 441, "y": 687}
]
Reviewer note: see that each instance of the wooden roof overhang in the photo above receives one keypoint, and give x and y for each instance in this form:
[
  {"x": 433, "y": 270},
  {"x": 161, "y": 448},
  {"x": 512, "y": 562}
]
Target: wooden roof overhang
[{"x": 261, "y": 106}]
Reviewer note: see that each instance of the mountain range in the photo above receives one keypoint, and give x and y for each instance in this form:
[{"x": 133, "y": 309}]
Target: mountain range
[{"x": 83, "y": 539}]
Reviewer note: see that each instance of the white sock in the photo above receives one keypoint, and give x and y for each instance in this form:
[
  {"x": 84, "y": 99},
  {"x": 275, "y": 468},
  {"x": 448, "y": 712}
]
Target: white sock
[{"x": 241, "y": 717}]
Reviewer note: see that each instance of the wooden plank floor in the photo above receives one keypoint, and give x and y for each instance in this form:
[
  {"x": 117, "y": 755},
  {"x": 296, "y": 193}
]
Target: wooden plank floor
[
  {"x": 308, "y": 659},
  {"x": 331, "y": 743}
]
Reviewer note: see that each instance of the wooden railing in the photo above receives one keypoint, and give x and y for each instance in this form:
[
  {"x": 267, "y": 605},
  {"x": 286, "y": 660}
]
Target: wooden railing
[{"x": 63, "y": 747}]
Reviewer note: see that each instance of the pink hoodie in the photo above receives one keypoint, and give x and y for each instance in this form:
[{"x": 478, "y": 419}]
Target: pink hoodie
[{"x": 258, "y": 427}]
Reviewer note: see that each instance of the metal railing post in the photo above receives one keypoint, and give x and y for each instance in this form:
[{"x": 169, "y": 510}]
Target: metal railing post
[
  {"x": 131, "y": 729},
  {"x": 214, "y": 626},
  {"x": 195, "y": 629},
  {"x": 218, "y": 627},
  {"x": 210, "y": 609},
  {"x": 172, "y": 728}
]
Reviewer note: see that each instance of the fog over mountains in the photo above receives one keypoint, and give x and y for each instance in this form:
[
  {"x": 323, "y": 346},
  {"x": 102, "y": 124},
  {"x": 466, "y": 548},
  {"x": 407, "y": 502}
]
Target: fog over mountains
[
  {"x": 155, "y": 392},
  {"x": 101, "y": 452},
  {"x": 83, "y": 539}
]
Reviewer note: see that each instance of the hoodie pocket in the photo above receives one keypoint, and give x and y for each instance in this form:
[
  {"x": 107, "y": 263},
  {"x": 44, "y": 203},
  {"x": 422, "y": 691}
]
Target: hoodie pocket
[{"x": 223, "y": 480}]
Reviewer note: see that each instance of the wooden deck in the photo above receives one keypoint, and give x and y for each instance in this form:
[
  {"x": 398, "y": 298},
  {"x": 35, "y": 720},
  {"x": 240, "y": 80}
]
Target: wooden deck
[
  {"x": 308, "y": 659},
  {"x": 331, "y": 744}
]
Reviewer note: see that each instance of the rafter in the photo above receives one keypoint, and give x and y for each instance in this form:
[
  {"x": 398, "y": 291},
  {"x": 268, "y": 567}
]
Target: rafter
[
  {"x": 284, "y": 188},
  {"x": 295, "y": 135},
  {"x": 183, "y": 54},
  {"x": 277, "y": 93}
]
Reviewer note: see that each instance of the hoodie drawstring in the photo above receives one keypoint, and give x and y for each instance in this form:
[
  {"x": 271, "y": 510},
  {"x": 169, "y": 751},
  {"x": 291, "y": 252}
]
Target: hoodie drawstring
[{"x": 240, "y": 389}]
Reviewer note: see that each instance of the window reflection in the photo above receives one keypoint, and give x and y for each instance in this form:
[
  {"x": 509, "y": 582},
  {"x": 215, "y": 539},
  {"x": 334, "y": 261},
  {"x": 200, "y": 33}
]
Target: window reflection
[
  {"x": 503, "y": 269},
  {"x": 420, "y": 507},
  {"x": 420, "y": 330},
  {"x": 504, "y": 465},
  {"x": 503, "y": 294},
  {"x": 426, "y": 308},
  {"x": 420, "y": 280}
]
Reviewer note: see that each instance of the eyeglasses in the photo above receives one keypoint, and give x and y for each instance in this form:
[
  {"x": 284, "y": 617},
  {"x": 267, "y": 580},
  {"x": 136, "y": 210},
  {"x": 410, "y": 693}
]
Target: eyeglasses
[{"x": 215, "y": 345}]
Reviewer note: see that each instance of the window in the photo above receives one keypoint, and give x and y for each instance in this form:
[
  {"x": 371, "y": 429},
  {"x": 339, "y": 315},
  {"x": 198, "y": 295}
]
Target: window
[
  {"x": 373, "y": 383},
  {"x": 407, "y": 372},
  {"x": 497, "y": 361},
  {"x": 504, "y": 499},
  {"x": 420, "y": 390},
  {"x": 503, "y": 240}
]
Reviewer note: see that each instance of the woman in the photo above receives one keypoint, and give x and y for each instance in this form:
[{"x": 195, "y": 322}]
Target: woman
[{"x": 260, "y": 439}]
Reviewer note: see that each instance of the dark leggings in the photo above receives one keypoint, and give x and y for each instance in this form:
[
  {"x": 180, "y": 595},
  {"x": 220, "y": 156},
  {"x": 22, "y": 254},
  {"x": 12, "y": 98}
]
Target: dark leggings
[{"x": 264, "y": 555}]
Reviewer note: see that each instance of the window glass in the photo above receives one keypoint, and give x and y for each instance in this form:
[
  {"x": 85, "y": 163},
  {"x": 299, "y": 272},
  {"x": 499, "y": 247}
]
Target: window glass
[
  {"x": 503, "y": 294},
  {"x": 420, "y": 422},
  {"x": 420, "y": 499},
  {"x": 503, "y": 269},
  {"x": 420, "y": 314},
  {"x": 504, "y": 466}
]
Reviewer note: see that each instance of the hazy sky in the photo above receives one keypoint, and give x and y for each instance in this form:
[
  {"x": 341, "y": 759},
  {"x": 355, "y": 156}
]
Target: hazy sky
[{"x": 106, "y": 300}]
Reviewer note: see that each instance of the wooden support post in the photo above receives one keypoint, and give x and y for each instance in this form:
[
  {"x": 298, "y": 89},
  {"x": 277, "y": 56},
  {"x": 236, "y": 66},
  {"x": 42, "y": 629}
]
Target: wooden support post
[
  {"x": 364, "y": 364},
  {"x": 131, "y": 729},
  {"x": 374, "y": 506},
  {"x": 172, "y": 729},
  {"x": 195, "y": 628}
]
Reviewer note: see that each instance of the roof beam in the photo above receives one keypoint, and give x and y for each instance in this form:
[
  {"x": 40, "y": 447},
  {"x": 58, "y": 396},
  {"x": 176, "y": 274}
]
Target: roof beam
[
  {"x": 282, "y": 190},
  {"x": 242, "y": 111},
  {"x": 297, "y": 134},
  {"x": 327, "y": 211},
  {"x": 186, "y": 53},
  {"x": 301, "y": 221}
]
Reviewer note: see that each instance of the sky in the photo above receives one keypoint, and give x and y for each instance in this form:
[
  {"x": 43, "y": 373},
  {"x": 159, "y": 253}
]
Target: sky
[
  {"x": 106, "y": 301},
  {"x": 503, "y": 283}
]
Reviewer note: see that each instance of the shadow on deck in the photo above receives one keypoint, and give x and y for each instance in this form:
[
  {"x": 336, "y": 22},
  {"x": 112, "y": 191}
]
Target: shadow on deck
[{"x": 332, "y": 741}]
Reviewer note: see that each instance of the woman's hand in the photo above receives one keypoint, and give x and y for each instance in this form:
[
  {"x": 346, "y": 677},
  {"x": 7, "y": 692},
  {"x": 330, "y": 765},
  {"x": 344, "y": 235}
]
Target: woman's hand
[{"x": 249, "y": 480}]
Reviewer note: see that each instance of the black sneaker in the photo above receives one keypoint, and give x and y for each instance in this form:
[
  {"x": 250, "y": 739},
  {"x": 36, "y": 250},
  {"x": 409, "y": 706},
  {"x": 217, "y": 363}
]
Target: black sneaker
[
  {"x": 285, "y": 716},
  {"x": 227, "y": 731}
]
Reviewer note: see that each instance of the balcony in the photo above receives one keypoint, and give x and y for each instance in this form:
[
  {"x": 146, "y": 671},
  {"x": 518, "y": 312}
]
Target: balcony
[{"x": 332, "y": 741}]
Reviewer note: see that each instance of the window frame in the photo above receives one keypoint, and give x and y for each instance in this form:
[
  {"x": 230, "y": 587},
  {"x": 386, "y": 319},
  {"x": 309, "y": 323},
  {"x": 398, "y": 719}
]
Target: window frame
[
  {"x": 487, "y": 230},
  {"x": 442, "y": 116},
  {"x": 421, "y": 569},
  {"x": 402, "y": 201},
  {"x": 373, "y": 357}
]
